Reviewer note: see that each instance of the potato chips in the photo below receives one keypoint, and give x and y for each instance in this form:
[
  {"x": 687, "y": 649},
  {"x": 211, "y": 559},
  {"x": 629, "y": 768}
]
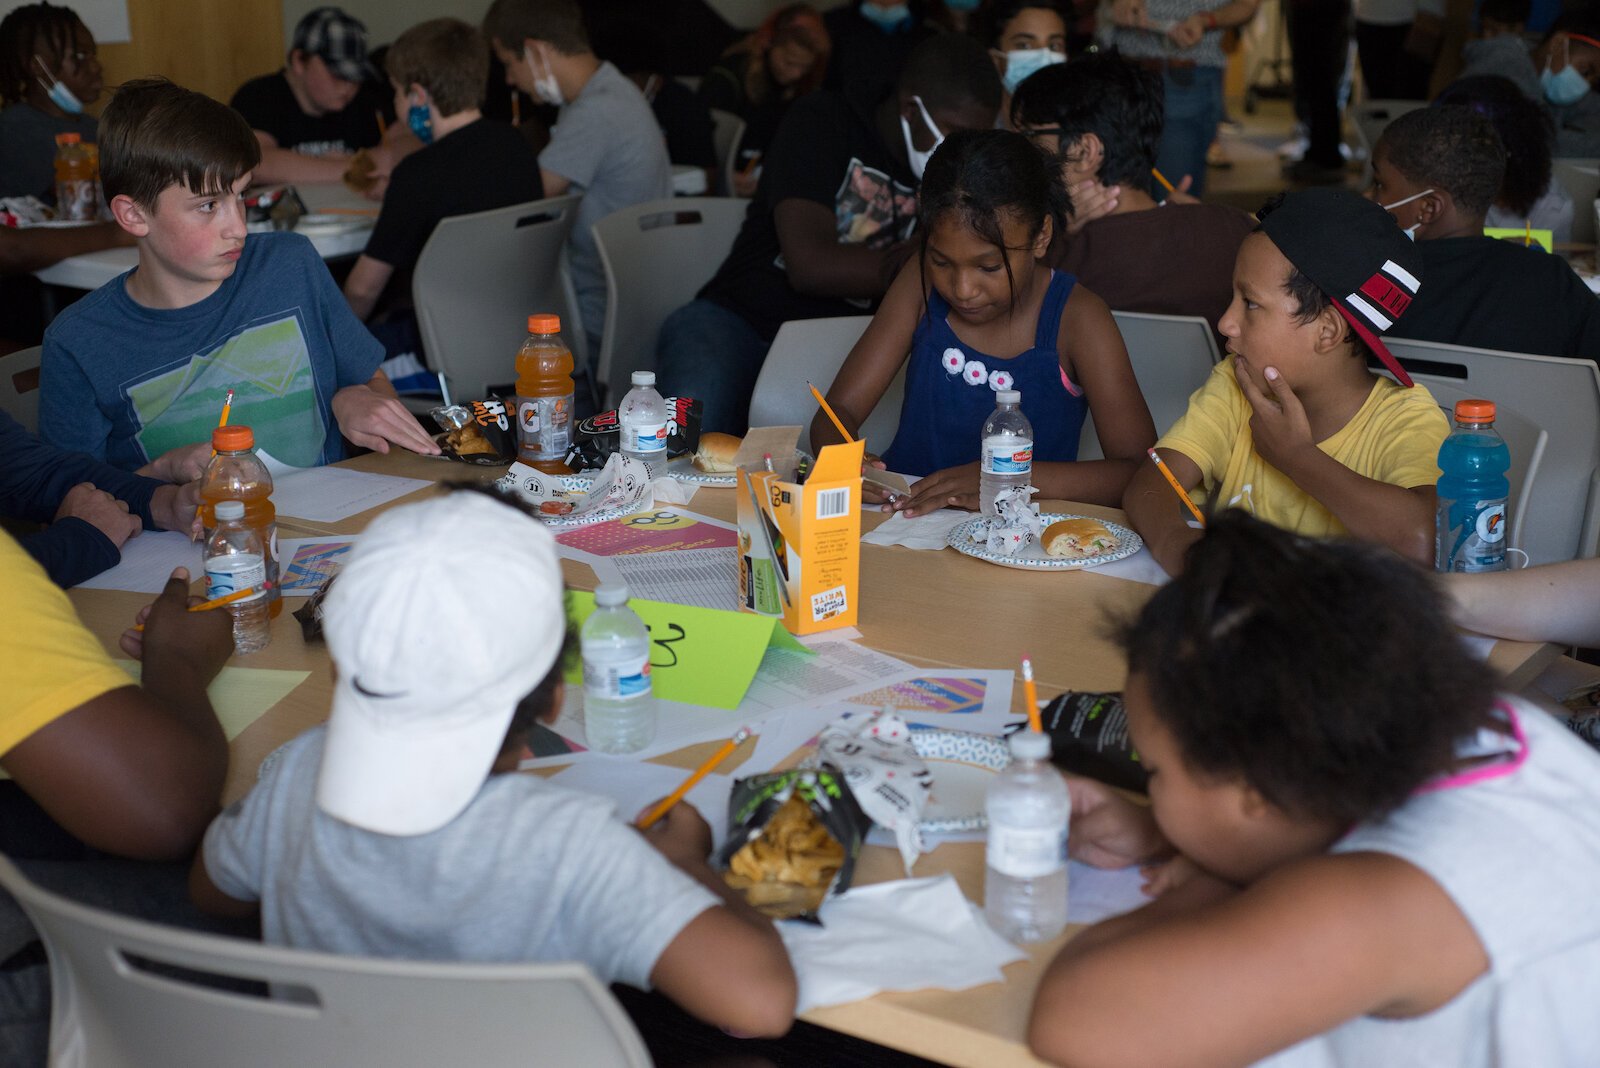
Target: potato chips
[{"x": 794, "y": 837}]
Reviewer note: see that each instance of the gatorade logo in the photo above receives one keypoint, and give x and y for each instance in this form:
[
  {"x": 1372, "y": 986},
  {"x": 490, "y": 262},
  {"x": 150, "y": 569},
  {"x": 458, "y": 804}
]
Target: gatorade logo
[
  {"x": 528, "y": 416},
  {"x": 1492, "y": 525}
]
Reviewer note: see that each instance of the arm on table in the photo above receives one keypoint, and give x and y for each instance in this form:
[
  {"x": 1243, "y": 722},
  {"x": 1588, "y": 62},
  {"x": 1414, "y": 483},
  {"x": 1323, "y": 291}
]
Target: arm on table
[
  {"x": 365, "y": 284},
  {"x": 22, "y": 251},
  {"x": 820, "y": 265},
  {"x": 1550, "y": 603},
  {"x": 371, "y": 416},
  {"x": 280, "y": 165},
  {"x": 1155, "y": 512}
]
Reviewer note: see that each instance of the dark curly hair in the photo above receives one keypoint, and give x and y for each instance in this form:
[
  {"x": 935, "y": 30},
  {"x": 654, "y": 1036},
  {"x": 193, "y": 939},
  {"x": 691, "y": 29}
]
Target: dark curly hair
[
  {"x": 1526, "y": 131},
  {"x": 1107, "y": 96},
  {"x": 1326, "y": 675},
  {"x": 29, "y": 29},
  {"x": 1452, "y": 148}
]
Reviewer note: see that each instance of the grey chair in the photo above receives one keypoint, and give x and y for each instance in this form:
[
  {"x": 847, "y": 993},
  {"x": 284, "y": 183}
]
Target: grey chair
[
  {"x": 1581, "y": 179},
  {"x": 478, "y": 279},
  {"x": 1172, "y": 355},
  {"x": 727, "y": 132},
  {"x": 812, "y": 350},
  {"x": 131, "y": 994},
  {"x": 19, "y": 386}
]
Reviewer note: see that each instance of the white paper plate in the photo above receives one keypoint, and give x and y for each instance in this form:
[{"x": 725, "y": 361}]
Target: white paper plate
[
  {"x": 963, "y": 766},
  {"x": 61, "y": 224},
  {"x": 1033, "y": 557},
  {"x": 682, "y": 469}
]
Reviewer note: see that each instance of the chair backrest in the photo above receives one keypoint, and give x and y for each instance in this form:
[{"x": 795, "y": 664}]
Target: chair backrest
[
  {"x": 127, "y": 995},
  {"x": 656, "y": 256},
  {"x": 478, "y": 279},
  {"x": 19, "y": 387},
  {"x": 812, "y": 350},
  {"x": 1548, "y": 410},
  {"x": 1371, "y": 116},
  {"x": 1171, "y": 356},
  {"x": 1581, "y": 179},
  {"x": 727, "y": 131}
]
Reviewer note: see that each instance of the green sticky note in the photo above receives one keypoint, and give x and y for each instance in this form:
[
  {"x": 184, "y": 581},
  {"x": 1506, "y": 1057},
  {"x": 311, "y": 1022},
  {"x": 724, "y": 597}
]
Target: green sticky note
[
  {"x": 1545, "y": 239},
  {"x": 239, "y": 694},
  {"x": 699, "y": 656}
]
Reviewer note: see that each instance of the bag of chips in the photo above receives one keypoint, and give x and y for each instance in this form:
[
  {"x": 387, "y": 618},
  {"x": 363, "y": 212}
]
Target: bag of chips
[
  {"x": 1089, "y": 737},
  {"x": 600, "y": 435},
  {"x": 478, "y": 433}
]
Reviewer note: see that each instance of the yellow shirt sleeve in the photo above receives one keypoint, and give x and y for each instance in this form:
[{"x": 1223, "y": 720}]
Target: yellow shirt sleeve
[
  {"x": 49, "y": 662},
  {"x": 1414, "y": 426},
  {"x": 1208, "y": 430}
]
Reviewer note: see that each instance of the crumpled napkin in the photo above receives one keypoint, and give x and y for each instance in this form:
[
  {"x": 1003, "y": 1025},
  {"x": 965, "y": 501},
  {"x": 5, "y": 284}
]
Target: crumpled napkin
[
  {"x": 906, "y": 935},
  {"x": 668, "y": 490},
  {"x": 930, "y": 531}
]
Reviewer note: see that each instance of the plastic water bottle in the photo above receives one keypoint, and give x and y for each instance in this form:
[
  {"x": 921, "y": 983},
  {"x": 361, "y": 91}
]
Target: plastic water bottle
[
  {"x": 619, "y": 711},
  {"x": 1471, "y": 524},
  {"x": 1007, "y": 449},
  {"x": 1025, "y": 883},
  {"x": 236, "y": 560},
  {"x": 643, "y": 419}
]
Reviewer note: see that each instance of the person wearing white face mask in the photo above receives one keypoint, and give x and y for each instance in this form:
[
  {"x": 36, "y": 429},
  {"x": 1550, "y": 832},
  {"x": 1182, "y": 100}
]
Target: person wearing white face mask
[
  {"x": 606, "y": 144},
  {"x": 48, "y": 72},
  {"x": 1025, "y": 36},
  {"x": 1437, "y": 170}
]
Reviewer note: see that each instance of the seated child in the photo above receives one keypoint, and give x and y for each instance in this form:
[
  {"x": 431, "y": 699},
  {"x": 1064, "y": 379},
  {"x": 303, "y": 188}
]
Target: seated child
[
  {"x": 135, "y": 373},
  {"x": 48, "y": 71},
  {"x": 400, "y": 829},
  {"x": 978, "y": 312},
  {"x": 1292, "y": 426},
  {"x": 1377, "y": 856},
  {"x": 1560, "y": 72},
  {"x": 1530, "y": 193},
  {"x": 1438, "y": 170},
  {"x": 439, "y": 71}
]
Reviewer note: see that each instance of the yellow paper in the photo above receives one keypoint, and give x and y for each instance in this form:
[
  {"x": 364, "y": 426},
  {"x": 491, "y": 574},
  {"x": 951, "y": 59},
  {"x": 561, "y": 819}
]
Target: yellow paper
[{"x": 1517, "y": 234}]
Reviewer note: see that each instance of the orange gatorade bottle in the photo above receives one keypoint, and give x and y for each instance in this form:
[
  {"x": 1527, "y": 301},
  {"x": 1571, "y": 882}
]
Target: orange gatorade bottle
[
  {"x": 236, "y": 473},
  {"x": 77, "y": 178},
  {"x": 544, "y": 396}
]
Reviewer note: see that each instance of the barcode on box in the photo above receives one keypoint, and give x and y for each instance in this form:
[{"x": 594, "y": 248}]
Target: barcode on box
[
  {"x": 828, "y": 603},
  {"x": 831, "y": 504}
]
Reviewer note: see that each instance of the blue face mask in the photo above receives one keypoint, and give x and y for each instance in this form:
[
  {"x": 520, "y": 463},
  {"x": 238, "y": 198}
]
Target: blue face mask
[
  {"x": 962, "y": 5},
  {"x": 1565, "y": 87},
  {"x": 888, "y": 19},
  {"x": 1025, "y": 61},
  {"x": 56, "y": 90},
  {"x": 421, "y": 124}
]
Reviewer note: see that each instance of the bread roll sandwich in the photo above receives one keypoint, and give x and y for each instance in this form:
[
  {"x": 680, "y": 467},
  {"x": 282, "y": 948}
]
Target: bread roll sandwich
[
  {"x": 1078, "y": 539},
  {"x": 715, "y": 453}
]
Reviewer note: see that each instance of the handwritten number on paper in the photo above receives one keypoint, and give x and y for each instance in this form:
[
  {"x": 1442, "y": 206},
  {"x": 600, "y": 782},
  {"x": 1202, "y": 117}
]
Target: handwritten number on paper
[{"x": 667, "y": 646}]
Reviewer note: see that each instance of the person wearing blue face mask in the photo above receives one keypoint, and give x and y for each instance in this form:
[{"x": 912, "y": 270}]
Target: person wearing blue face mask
[
  {"x": 1025, "y": 36},
  {"x": 48, "y": 72},
  {"x": 1560, "y": 72},
  {"x": 872, "y": 39}
]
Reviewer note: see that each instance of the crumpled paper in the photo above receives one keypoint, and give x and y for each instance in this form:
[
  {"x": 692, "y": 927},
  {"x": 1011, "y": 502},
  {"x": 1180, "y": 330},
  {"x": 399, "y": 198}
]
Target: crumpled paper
[
  {"x": 622, "y": 482},
  {"x": 890, "y": 781},
  {"x": 1015, "y": 526},
  {"x": 906, "y": 935}
]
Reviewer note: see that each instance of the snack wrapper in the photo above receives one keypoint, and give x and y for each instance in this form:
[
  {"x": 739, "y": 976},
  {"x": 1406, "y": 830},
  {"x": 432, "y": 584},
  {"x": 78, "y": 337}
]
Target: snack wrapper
[
  {"x": 478, "y": 433},
  {"x": 277, "y": 206},
  {"x": 23, "y": 212},
  {"x": 793, "y": 838},
  {"x": 622, "y": 483},
  {"x": 1089, "y": 737},
  {"x": 889, "y": 779},
  {"x": 1015, "y": 526},
  {"x": 310, "y": 613},
  {"x": 598, "y": 437}
]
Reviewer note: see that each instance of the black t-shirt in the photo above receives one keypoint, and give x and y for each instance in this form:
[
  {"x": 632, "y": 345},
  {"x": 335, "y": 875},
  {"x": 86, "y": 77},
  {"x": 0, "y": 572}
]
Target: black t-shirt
[
  {"x": 866, "y": 61},
  {"x": 268, "y": 104},
  {"x": 1494, "y": 294},
  {"x": 686, "y": 124},
  {"x": 829, "y": 152},
  {"x": 484, "y": 165}
]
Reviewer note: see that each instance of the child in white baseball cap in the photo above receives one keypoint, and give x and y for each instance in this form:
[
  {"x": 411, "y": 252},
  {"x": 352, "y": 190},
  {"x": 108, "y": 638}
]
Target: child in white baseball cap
[{"x": 400, "y": 830}]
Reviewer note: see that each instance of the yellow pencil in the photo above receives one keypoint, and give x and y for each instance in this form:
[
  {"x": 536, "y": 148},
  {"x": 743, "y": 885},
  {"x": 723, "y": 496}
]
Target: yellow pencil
[
  {"x": 1030, "y": 693},
  {"x": 383, "y": 127},
  {"x": 1163, "y": 180},
  {"x": 226, "y": 599},
  {"x": 1527, "y": 233},
  {"x": 1166, "y": 473},
  {"x": 665, "y": 804},
  {"x": 227, "y": 410},
  {"x": 826, "y": 407}
]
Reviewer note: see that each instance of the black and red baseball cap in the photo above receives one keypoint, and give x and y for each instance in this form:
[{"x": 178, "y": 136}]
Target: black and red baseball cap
[{"x": 1352, "y": 250}]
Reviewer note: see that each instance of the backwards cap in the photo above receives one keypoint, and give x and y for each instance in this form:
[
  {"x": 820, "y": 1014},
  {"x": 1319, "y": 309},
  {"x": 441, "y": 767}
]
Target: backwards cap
[{"x": 1352, "y": 250}]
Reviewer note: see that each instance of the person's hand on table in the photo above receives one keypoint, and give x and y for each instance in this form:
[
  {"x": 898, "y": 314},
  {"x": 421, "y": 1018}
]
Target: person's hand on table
[
  {"x": 100, "y": 510},
  {"x": 871, "y": 491},
  {"x": 371, "y": 420},
  {"x": 954, "y": 487},
  {"x": 178, "y": 508},
  {"x": 682, "y": 835},
  {"x": 1169, "y": 874},
  {"x": 182, "y": 464},
  {"x": 1108, "y": 830},
  {"x": 171, "y": 632}
]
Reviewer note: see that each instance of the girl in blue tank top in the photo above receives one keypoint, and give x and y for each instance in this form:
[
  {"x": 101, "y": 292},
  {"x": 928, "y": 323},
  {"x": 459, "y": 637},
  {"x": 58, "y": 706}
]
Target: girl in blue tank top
[{"x": 975, "y": 312}]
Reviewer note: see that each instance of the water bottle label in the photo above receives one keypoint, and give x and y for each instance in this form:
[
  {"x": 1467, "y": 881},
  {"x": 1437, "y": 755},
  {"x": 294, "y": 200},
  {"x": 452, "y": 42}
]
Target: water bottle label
[
  {"x": 1472, "y": 535},
  {"x": 544, "y": 427},
  {"x": 230, "y": 574},
  {"x": 1008, "y": 458},
  {"x": 1027, "y": 852},
  {"x": 644, "y": 437},
  {"x": 616, "y": 680}
]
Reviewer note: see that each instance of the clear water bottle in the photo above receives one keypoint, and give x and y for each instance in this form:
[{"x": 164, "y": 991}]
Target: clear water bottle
[
  {"x": 236, "y": 560},
  {"x": 1025, "y": 883},
  {"x": 619, "y": 711},
  {"x": 1007, "y": 449},
  {"x": 642, "y": 416},
  {"x": 1470, "y": 527}
]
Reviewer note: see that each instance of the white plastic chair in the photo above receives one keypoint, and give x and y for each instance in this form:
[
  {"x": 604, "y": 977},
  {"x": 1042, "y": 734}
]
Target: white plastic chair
[
  {"x": 1581, "y": 179},
  {"x": 656, "y": 256},
  {"x": 478, "y": 279},
  {"x": 1172, "y": 355},
  {"x": 1371, "y": 116},
  {"x": 112, "y": 1009},
  {"x": 19, "y": 387},
  {"x": 1548, "y": 410},
  {"x": 812, "y": 350},
  {"x": 727, "y": 132}
]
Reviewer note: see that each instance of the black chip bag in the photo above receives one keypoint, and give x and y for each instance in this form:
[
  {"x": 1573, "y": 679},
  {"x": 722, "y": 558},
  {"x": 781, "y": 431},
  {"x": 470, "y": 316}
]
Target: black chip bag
[
  {"x": 1089, "y": 737},
  {"x": 597, "y": 437},
  {"x": 478, "y": 433},
  {"x": 793, "y": 838}
]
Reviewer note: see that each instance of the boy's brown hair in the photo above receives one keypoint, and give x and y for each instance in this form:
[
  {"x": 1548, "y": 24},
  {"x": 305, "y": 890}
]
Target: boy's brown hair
[
  {"x": 448, "y": 58},
  {"x": 155, "y": 134},
  {"x": 556, "y": 22}
]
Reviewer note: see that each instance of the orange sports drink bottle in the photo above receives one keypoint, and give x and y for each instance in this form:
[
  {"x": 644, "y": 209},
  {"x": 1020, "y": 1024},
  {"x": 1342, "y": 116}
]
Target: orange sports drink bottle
[
  {"x": 544, "y": 396},
  {"x": 236, "y": 473},
  {"x": 77, "y": 178}
]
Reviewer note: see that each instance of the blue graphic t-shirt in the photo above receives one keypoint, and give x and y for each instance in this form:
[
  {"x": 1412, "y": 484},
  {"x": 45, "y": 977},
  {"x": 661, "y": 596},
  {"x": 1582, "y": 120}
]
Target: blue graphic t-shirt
[{"x": 126, "y": 383}]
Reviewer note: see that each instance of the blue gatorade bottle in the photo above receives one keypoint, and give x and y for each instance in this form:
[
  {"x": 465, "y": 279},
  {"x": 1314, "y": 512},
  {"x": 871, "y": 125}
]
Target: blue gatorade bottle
[{"x": 1471, "y": 525}]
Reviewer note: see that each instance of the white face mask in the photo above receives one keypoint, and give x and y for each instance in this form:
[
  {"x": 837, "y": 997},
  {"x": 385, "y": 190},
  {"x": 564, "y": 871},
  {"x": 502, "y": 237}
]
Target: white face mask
[
  {"x": 1410, "y": 231},
  {"x": 545, "y": 86},
  {"x": 919, "y": 160}
]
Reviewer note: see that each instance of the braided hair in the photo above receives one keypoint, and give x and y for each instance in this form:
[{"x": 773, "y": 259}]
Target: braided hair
[{"x": 40, "y": 28}]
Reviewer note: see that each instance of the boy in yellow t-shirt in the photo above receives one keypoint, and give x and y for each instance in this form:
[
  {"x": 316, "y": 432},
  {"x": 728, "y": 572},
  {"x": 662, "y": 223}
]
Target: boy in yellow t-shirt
[{"x": 1293, "y": 427}]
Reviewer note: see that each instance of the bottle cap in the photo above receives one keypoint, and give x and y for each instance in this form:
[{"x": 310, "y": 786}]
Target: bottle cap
[
  {"x": 232, "y": 439},
  {"x": 644, "y": 378},
  {"x": 1030, "y": 745},
  {"x": 1475, "y": 411},
  {"x": 1008, "y": 396},
  {"x": 68, "y": 138},
  {"x": 230, "y": 509},
  {"x": 611, "y": 596},
  {"x": 544, "y": 323}
]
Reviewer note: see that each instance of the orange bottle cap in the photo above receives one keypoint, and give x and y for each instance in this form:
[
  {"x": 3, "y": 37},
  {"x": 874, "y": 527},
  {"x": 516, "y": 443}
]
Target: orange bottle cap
[
  {"x": 68, "y": 138},
  {"x": 1474, "y": 411},
  {"x": 544, "y": 323},
  {"x": 232, "y": 439}
]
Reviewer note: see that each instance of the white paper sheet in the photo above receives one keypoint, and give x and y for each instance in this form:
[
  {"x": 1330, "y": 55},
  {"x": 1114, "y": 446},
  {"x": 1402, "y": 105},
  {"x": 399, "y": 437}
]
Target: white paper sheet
[
  {"x": 147, "y": 563},
  {"x": 329, "y": 494},
  {"x": 642, "y": 784},
  {"x": 1093, "y": 894}
]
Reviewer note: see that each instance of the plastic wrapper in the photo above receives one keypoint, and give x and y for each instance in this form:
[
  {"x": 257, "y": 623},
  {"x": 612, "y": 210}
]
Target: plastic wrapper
[
  {"x": 621, "y": 483},
  {"x": 478, "y": 433},
  {"x": 890, "y": 781},
  {"x": 596, "y": 438},
  {"x": 276, "y": 205},
  {"x": 793, "y": 838},
  {"x": 1089, "y": 737},
  {"x": 310, "y": 613},
  {"x": 23, "y": 212}
]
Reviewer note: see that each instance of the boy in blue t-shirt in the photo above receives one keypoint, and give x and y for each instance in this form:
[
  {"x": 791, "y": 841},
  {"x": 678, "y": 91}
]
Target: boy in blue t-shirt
[{"x": 136, "y": 372}]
